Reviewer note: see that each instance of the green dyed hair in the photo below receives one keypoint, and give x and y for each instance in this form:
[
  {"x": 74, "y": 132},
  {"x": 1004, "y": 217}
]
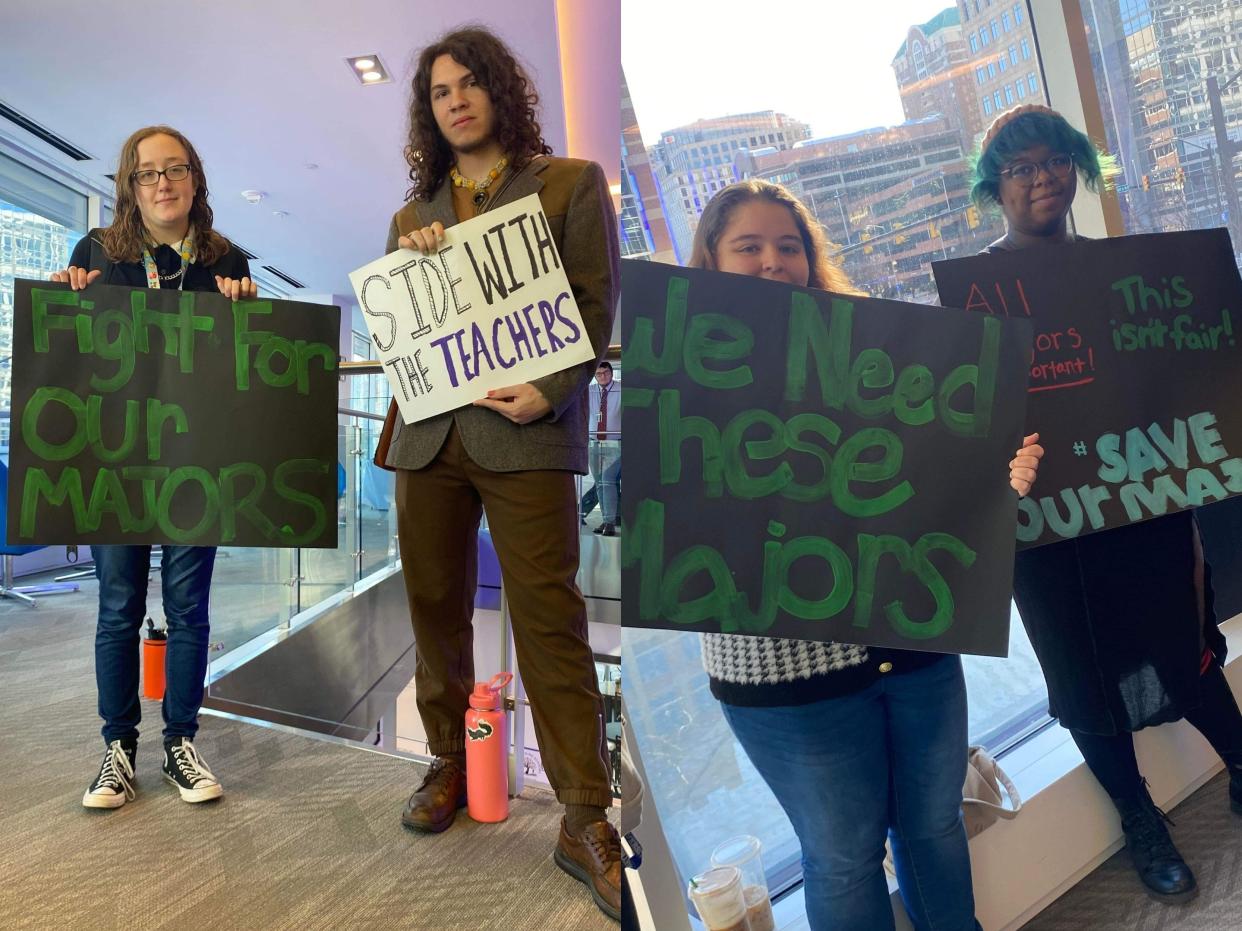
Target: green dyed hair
[{"x": 1029, "y": 130}]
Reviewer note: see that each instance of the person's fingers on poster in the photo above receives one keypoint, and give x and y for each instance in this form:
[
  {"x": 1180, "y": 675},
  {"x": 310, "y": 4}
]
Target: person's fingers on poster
[
  {"x": 237, "y": 289},
  {"x": 425, "y": 240},
  {"x": 1025, "y": 464},
  {"x": 76, "y": 278},
  {"x": 520, "y": 403}
]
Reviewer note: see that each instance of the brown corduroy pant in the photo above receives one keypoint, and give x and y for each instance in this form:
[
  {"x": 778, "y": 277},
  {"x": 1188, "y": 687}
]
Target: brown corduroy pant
[{"x": 533, "y": 519}]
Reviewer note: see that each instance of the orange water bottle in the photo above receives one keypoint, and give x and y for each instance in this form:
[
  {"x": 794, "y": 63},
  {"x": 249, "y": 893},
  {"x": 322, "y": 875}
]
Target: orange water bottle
[
  {"x": 487, "y": 751},
  {"x": 153, "y": 652}
]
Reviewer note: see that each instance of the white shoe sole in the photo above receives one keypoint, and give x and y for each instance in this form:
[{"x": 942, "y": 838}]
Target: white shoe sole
[
  {"x": 103, "y": 801},
  {"x": 205, "y": 794}
]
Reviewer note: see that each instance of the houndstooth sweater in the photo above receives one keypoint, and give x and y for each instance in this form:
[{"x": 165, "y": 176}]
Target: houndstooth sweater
[{"x": 772, "y": 671}]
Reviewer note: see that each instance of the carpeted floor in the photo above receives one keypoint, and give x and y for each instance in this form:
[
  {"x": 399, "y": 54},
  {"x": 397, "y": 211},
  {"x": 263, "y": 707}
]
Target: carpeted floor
[
  {"x": 306, "y": 837},
  {"x": 1208, "y": 836}
]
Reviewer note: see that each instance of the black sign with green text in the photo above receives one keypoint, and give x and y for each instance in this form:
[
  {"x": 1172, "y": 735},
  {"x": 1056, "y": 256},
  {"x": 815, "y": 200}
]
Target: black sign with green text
[
  {"x": 1135, "y": 373},
  {"x": 143, "y": 416},
  {"x": 817, "y": 466}
]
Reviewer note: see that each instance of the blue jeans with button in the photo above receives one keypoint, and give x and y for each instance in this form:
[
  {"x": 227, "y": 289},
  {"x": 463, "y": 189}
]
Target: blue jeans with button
[
  {"x": 186, "y": 581},
  {"x": 886, "y": 762}
]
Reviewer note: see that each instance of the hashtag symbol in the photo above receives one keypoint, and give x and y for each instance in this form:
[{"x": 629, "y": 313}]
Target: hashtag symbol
[{"x": 1080, "y": 448}]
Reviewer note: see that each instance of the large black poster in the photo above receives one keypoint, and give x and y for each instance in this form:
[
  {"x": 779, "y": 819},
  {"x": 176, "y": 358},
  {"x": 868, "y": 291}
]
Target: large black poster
[
  {"x": 143, "y": 416},
  {"x": 817, "y": 466},
  {"x": 1135, "y": 373}
]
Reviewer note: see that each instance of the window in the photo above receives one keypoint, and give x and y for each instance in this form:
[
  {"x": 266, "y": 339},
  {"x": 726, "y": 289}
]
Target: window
[
  {"x": 1026, "y": 50},
  {"x": 1008, "y": 95},
  {"x": 1017, "y": 13},
  {"x": 1006, "y": 24},
  {"x": 696, "y": 771},
  {"x": 1013, "y": 54},
  {"x": 1031, "y": 84},
  {"x": 995, "y": 30},
  {"x": 1153, "y": 85},
  {"x": 40, "y": 223},
  {"x": 1020, "y": 87},
  {"x": 1003, "y": 62}
]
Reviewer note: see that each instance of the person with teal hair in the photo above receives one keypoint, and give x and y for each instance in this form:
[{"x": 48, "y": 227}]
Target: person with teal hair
[{"x": 1122, "y": 622}]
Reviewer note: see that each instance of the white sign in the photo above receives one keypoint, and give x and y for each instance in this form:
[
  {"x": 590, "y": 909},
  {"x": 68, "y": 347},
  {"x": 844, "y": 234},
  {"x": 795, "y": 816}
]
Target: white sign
[{"x": 492, "y": 308}]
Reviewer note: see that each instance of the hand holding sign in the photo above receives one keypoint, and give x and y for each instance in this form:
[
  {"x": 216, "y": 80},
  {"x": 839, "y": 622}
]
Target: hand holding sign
[
  {"x": 473, "y": 314},
  {"x": 520, "y": 403}
]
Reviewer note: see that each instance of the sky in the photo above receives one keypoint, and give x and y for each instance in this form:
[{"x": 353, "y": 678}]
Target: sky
[{"x": 827, "y": 62}]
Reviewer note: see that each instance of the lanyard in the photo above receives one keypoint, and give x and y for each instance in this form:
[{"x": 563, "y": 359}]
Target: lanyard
[{"x": 185, "y": 250}]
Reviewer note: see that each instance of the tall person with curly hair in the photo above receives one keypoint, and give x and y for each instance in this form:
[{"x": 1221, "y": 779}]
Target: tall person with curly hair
[
  {"x": 161, "y": 237},
  {"x": 475, "y": 144}
]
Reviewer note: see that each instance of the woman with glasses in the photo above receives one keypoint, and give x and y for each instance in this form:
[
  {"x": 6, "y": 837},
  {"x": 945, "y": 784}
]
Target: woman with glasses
[
  {"x": 858, "y": 744},
  {"x": 1122, "y": 621},
  {"x": 161, "y": 237}
]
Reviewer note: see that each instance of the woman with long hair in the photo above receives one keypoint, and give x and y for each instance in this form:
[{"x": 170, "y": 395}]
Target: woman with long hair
[
  {"x": 1122, "y": 621},
  {"x": 161, "y": 237},
  {"x": 858, "y": 744}
]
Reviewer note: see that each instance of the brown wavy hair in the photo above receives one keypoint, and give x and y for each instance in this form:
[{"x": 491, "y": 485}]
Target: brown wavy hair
[
  {"x": 514, "y": 103},
  {"x": 125, "y": 239},
  {"x": 825, "y": 274}
]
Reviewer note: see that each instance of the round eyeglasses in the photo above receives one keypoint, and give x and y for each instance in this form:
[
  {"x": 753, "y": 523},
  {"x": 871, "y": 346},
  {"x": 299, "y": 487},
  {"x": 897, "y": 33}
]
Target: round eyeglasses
[
  {"x": 1025, "y": 173},
  {"x": 149, "y": 176}
]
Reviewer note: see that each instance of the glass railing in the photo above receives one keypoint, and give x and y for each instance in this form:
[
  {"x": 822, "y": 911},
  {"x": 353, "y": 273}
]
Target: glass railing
[{"x": 321, "y": 640}]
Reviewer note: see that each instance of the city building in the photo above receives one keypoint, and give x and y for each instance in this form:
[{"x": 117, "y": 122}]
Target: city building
[
  {"x": 1003, "y": 65},
  {"x": 644, "y": 232},
  {"x": 891, "y": 199},
  {"x": 1166, "y": 61},
  {"x": 934, "y": 75},
  {"x": 692, "y": 162}
]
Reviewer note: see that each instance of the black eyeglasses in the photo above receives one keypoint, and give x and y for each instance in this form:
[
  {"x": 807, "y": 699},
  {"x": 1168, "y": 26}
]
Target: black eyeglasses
[
  {"x": 149, "y": 176},
  {"x": 1025, "y": 173}
]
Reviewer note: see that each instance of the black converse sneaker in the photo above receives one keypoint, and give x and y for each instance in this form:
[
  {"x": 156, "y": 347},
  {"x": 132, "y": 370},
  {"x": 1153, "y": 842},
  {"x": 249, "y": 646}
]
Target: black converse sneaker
[
  {"x": 185, "y": 769},
  {"x": 114, "y": 786}
]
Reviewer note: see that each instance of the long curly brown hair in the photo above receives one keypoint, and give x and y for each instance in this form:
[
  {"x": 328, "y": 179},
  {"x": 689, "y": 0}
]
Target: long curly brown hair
[
  {"x": 125, "y": 239},
  {"x": 514, "y": 102}
]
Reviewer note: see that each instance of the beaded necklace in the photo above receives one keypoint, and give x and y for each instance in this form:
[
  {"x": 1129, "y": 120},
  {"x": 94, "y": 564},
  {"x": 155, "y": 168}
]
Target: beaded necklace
[{"x": 185, "y": 249}]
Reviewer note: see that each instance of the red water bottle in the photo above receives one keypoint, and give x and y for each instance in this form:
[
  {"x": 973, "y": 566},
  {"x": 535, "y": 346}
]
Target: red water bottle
[
  {"x": 487, "y": 751},
  {"x": 153, "y": 651}
]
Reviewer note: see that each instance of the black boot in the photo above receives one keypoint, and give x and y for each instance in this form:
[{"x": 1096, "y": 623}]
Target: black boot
[
  {"x": 1156, "y": 860},
  {"x": 1235, "y": 785}
]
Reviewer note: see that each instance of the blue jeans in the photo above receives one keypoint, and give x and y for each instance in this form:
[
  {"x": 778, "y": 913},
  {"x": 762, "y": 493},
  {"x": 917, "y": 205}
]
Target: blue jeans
[
  {"x": 186, "y": 576},
  {"x": 888, "y": 761},
  {"x": 604, "y": 457}
]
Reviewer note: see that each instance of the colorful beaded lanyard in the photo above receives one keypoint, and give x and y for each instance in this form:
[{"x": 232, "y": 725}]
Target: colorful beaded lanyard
[{"x": 185, "y": 250}]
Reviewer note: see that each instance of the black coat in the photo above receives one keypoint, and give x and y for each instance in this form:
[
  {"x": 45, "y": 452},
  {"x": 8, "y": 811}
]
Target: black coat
[
  {"x": 1115, "y": 622},
  {"x": 1120, "y": 620}
]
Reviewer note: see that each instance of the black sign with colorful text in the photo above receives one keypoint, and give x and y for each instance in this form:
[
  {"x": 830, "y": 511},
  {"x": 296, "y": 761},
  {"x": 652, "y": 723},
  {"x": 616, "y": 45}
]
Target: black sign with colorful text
[
  {"x": 1135, "y": 373},
  {"x": 817, "y": 466},
  {"x": 144, "y": 416}
]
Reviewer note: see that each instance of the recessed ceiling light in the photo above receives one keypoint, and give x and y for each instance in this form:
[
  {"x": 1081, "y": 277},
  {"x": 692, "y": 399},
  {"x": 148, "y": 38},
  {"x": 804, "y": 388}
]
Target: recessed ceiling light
[{"x": 368, "y": 69}]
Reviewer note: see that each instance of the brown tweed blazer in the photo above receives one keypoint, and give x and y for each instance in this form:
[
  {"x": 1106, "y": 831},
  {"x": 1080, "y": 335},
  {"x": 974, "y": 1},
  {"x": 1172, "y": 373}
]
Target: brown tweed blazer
[{"x": 575, "y": 197}]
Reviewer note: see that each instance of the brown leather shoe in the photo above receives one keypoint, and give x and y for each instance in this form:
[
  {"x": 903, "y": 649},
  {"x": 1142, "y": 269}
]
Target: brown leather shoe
[
  {"x": 594, "y": 858},
  {"x": 434, "y": 804}
]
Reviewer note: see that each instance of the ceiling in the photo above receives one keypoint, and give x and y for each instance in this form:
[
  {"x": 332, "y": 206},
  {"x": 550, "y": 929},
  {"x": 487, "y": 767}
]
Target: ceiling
[{"x": 263, "y": 91}]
